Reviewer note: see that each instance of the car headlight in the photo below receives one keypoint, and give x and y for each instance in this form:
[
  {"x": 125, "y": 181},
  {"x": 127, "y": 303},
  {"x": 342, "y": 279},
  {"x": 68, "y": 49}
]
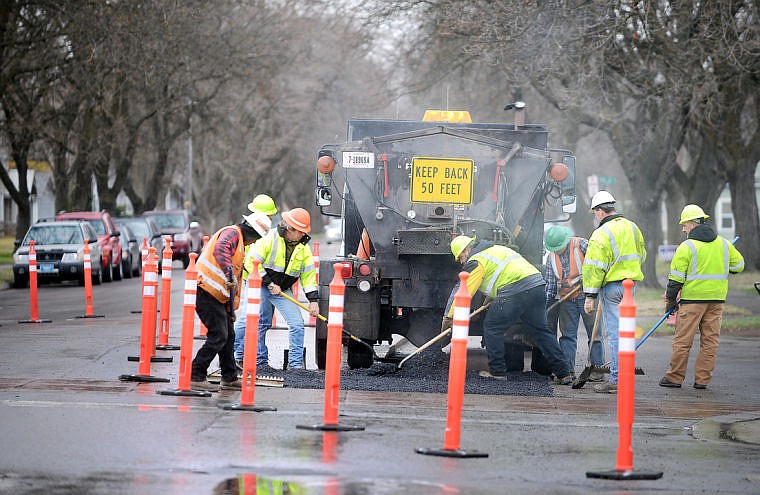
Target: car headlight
[
  {"x": 20, "y": 258},
  {"x": 71, "y": 257},
  {"x": 180, "y": 237}
]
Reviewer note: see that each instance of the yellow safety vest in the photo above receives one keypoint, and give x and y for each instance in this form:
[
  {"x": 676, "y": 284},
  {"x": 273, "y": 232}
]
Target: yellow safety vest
[
  {"x": 703, "y": 268},
  {"x": 502, "y": 266},
  {"x": 615, "y": 252},
  {"x": 270, "y": 251},
  {"x": 211, "y": 278}
]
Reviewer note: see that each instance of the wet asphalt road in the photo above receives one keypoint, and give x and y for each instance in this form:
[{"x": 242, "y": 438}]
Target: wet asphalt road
[{"x": 69, "y": 425}]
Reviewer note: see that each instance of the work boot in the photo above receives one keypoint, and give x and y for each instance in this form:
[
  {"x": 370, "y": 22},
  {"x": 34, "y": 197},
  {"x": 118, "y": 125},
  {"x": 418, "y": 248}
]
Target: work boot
[
  {"x": 596, "y": 376},
  {"x": 605, "y": 388},
  {"x": 667, "y": 383},
  {"x": 236, "y": 385},
  {"x": 487, "y": 374},
  {"x": 564, "y": 380},
  {"x": 204, "y": 385},
  {"x": 700, "y": 386}
]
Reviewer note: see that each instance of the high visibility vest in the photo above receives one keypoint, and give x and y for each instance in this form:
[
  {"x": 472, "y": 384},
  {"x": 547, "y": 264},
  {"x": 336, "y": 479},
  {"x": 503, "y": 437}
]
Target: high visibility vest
[
  {"x": 270, "y": 251},
  {"x": 502, "y": 266},
  {"x": 615, "y": 252},
  {"x": 703, "y": 268},
  {"x": 211, "y": 278},
  {"x": 566, "y": 282}
]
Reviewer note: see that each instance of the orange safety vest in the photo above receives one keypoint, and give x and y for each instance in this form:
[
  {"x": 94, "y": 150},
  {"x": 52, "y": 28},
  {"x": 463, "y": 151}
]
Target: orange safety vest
[
  {"x": 210, "y": 275},
  {"x": 566, "y": 284}
]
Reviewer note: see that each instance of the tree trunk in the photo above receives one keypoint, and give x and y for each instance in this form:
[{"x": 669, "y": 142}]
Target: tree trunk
[{"x": 744, "y": 205}]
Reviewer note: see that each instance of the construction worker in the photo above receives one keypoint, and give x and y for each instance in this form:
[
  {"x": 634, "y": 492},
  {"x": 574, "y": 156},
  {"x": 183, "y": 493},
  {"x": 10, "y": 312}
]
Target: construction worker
[
  {"x": 285, "y": 257},
  {"x": 517, "y": 291},
  {"x": 615, "y": 252},
  {"x": 699, "y": 269},
  {"x": 261, "y": 204},
  {"x": 565, "y": 297},
  {"x": 220, "y": 266}
]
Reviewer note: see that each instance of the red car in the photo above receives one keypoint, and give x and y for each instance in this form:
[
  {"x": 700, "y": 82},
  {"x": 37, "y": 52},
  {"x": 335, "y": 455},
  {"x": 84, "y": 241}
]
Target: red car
[
  {"x": 108, "y": 239},
  {"x": 174, "y": 223}
]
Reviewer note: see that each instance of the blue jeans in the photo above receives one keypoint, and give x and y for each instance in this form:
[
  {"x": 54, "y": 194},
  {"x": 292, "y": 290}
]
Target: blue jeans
[
  {"x": 530, "y": 308},
  {"x": 240, "y": 323},
  {"x": 568, "y": 315},
  {"x": 610, "y": 296},
  {"x": 293, "y": 318}
]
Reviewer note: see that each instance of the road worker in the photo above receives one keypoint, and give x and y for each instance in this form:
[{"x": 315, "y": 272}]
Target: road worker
[
  {"x": 261, "y": 204},
  {"x": 285, "y": 258},
  {"x": 517, "y": 291},
  {"x": 699, "y": 269},
  {"x": 220, "y": 266},
  {"x": 565, "y": 297},
  {"x": 615, "y": 252}
]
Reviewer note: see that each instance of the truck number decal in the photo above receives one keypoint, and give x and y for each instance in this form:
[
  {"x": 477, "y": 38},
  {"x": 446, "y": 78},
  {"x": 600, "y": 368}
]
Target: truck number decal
[
  {"x": 358, "y": 159},
  {"x": 442, "y": 180}
]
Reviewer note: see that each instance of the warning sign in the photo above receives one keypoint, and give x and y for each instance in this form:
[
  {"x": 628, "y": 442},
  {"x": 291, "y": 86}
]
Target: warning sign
[{"x": 442, "y": 180}]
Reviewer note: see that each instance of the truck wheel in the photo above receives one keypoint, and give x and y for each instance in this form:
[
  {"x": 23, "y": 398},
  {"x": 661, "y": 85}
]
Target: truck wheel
[
  {"x": 359, "y": 356},
  {"x": 321, "y": 352}
]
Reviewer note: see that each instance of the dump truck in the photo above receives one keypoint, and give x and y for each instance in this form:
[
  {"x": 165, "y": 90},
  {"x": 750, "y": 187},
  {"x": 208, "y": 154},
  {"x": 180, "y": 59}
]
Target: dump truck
[{"x": 403, "y": 189}]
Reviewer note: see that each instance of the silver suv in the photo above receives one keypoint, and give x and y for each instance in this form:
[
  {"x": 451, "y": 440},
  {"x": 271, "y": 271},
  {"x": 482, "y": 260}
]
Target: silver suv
[{"x": 60, "y": 252}]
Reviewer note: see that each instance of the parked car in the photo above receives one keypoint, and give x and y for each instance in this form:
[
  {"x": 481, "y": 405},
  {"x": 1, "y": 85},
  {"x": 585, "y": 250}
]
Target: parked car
[
  {"x": 144, "y": 228},
  {"x": 60, "y": 252},
  {"x": 108, "y": 238},
  {"x": 131, "y": 252},
  {"x": 175, "y": 223}
]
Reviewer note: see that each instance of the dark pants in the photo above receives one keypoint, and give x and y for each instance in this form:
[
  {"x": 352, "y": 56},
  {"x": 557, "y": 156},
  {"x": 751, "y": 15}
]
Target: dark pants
[
  {"x": 220, "y": 339},
  {"x": 529, "y": 307}
]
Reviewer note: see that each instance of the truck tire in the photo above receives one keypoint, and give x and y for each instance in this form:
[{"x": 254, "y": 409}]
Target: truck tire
[
  {"x": 359, "y": 355},
  {"x": 320, "y": 348}
]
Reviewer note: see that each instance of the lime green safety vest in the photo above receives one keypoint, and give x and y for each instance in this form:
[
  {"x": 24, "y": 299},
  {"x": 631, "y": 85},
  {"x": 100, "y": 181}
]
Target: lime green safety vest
[
  {"x": 615, "y": 252},
  {"x": 270, "y": 251},
  {"x": 703, "y": 267},
  {"x": 502, "y": 267}
]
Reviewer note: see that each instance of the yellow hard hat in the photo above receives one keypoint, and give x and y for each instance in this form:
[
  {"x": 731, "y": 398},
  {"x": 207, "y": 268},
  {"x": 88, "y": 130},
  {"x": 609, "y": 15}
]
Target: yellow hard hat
[
  {"x": 263, "y": 204},
  {"x": 459, "y": 244},
  {"x": 692, "y": 213}
]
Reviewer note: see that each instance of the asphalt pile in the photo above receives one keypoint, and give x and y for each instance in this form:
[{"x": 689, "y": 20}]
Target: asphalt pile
[{"x": 426, "y": 372}]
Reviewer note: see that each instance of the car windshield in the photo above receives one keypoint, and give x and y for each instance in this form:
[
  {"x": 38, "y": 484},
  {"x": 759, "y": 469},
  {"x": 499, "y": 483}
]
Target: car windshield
[
  {"x": 169, "y": 221},
  {"x": 97, "y": 226},
  {"x": 54, "y": 234},
  {"x": 139, "y": 228}
]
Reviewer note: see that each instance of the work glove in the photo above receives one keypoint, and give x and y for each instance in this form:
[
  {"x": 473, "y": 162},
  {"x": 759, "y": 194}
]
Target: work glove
[
  {"x": 590, "y": 305},
  {"x": 231, "y": 284},
  {"x": 314, "y": 308},
  {"x": 446, "y": 323},
  {"x": 671, "y": 305}
]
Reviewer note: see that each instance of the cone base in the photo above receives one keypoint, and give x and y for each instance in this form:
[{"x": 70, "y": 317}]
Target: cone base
[
  {"x": 142, "y": 378},
  {"x": 450, "y": 453},
  {"x": 242, "y": 407},
  {"x": 326, "y": 427},
  {"x": 186, "y": 393},
  {"x": 35, "y": 321},
  {"x": 91, "y": 316},
  {"x": 625, "y": 474},
  {"x": 154, "y": 359},
  {"x": 167, "y": 347},
  {"x": 200, "y": 337}
]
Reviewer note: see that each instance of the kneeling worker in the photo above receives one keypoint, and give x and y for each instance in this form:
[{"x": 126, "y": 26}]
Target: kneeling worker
[{"x": 517, "y": 290}]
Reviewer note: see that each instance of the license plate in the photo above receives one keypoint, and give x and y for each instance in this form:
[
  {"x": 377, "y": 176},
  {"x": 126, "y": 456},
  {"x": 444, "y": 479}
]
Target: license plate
[
  {"x": 442, "y": 180},
  {"x": 47, "y": 268}
]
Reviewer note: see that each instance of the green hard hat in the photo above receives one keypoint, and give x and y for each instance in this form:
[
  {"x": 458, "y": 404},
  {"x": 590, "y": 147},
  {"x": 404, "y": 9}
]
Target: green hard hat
[
  {"x": 459, "y": 244},
  {"x": 557, "y": 238}
]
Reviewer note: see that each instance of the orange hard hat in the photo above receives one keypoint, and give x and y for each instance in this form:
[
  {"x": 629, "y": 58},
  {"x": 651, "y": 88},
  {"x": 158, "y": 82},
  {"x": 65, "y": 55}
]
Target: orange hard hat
[{"x": 299, "y": 219}]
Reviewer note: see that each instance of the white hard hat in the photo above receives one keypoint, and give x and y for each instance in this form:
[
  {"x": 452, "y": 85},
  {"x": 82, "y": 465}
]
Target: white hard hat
[
  {"x": 195, "y": 225},
  {"x": 260, "y": 222},
  {"x": 600, "y": 198}
]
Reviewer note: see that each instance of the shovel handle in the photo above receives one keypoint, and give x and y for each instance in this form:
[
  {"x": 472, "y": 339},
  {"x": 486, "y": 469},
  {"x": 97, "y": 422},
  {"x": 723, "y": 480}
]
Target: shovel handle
[{"x": 300, "y": 304}]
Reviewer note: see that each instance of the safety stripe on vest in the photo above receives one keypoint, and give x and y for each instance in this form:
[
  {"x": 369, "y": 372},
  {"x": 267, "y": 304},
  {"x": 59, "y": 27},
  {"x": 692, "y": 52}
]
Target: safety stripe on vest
[
  {"x": 500, "y": 264},
  {"x": 210, "y": 281},
  {"x": 614, "y": 246},
  {"x": 706, "y": 276},
  {"x": 577, "y": 256}
]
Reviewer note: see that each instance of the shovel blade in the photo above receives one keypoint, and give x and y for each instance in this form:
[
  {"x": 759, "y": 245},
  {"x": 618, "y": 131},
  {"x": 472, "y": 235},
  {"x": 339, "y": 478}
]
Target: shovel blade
[{"x": 582, "y": 378}]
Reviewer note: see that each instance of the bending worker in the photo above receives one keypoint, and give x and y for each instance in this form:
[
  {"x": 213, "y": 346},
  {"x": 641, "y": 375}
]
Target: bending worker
[
  {"x": 517, "y": 290},
  {"x": 699, "y": 269},
  {"x": 285, "y": 257},
  {"x": 261, "y": 204},
  {"x": 219, "y": 268},
  {"x": 615, "y": 252},
  {"x": 565, "y": 297}
]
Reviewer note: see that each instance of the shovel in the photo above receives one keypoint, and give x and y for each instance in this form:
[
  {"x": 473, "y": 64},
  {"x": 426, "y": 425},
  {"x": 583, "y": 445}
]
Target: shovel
[
  {"x": 564, "y": 298},
  {"x": 583, "y": 377},
  {"x": 345, "y": 332},
  {"x": 438, "y": 337}
]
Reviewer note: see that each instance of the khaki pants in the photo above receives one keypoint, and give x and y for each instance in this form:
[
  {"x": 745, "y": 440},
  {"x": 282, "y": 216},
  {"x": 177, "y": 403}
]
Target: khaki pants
[{"x": 692, "y": 318}]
